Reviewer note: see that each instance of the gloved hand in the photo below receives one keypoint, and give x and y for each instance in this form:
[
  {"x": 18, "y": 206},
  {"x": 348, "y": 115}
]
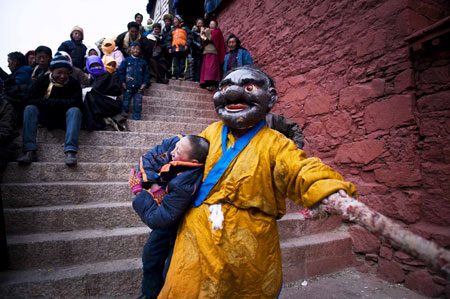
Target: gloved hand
[
  {"x": 158, "y": 195},
  {"x": 134, "y": 181}
]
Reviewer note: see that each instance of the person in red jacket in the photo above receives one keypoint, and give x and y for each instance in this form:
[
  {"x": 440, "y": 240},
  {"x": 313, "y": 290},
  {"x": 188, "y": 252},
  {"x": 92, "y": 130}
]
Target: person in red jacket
[{"x": 178, "y": 43}]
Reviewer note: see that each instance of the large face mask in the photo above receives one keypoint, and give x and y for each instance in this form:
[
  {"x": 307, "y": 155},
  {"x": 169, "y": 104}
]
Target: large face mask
[{"x": 244, "y": 98}]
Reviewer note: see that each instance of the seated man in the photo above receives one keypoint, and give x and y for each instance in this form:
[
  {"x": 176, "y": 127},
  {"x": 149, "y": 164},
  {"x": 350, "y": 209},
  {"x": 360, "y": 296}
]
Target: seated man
[
  {"x": 55, "y": 103},
  {"x": 43, "y": 58}
]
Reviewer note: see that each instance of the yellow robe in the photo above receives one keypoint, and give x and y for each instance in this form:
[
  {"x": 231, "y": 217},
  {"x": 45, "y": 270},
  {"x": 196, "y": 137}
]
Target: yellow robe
[{"x": 243, "y": 260}]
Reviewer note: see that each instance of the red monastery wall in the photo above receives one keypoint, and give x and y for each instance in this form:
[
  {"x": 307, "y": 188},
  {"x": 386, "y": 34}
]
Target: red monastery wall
[{"x": 369, "y": 107}]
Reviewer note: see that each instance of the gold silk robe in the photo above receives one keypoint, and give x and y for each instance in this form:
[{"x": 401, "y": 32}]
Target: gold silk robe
[{"x": 243, "y": 260}]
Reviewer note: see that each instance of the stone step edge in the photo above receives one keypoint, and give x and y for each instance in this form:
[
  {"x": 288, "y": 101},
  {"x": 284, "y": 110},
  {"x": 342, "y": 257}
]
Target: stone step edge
[
  {"x": 83, "y": 206},
  {"x": 60, "y": 183},
  {"x": 316, "y": 239},
  {"x": 62, "y": 273},
  {"x": 17, "y": 239}
]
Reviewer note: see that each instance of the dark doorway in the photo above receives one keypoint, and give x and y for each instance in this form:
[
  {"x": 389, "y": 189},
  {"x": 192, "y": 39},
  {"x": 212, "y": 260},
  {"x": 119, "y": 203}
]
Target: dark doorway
[{"x": 190, "y": 10}]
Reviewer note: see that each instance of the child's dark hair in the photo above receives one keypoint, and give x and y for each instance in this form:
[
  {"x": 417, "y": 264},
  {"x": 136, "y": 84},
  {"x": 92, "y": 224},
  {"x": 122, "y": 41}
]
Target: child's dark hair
[
  {"x": 156, "y": 25},
  {"x": 199, "y": 148}
]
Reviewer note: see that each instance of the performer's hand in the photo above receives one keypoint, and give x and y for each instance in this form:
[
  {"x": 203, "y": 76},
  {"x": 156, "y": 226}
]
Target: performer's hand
[{"x": 134, "y": 181}]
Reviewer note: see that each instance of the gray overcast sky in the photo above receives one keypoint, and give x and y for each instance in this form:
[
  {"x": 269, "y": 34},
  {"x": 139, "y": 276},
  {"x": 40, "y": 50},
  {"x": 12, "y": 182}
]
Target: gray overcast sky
[{"x": 27, "y": 24}]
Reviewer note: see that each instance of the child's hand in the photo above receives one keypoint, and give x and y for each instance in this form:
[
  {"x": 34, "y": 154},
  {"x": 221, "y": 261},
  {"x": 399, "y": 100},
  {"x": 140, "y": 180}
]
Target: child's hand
[
  {"x": 142, "y": 88},
  {"x": 124, "y": 86},
  {"x": 158, "y": 195},
  {"x": 134, "y": 181}
]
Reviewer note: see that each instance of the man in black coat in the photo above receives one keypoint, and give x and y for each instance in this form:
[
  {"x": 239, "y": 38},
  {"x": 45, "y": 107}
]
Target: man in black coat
[
  {"x": 55, "y": 103},
  {"x": 124, "y": 40}
]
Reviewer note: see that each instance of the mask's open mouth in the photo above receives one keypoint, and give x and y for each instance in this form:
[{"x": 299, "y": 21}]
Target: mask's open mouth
[{"x": 235, "y": 107}]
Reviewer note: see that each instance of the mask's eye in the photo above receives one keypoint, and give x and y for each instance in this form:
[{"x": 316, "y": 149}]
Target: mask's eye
[
  {"x": 224, "y": 87},
  {"x": 250, "y": 88}
]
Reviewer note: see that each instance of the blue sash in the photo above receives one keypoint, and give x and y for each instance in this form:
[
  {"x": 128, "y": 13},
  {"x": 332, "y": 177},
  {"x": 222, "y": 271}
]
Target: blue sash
[{"x": 224, "y": 161}]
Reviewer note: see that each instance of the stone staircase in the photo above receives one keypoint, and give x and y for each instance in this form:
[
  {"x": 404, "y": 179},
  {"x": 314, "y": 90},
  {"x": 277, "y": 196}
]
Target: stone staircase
[{"x": 72, "y": 231}]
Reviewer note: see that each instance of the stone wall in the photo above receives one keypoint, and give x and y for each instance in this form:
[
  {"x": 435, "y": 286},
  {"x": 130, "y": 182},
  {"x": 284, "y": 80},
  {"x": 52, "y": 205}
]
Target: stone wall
[{"x": 367, "y": 105}]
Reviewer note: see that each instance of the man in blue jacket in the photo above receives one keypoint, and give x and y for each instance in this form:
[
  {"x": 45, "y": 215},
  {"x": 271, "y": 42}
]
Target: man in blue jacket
[{"x": 173, "y": 171}]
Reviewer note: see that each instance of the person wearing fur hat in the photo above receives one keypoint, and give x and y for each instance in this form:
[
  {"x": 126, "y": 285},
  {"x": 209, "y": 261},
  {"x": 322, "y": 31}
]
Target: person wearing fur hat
[
  {"x": 75, "y": 47},
  {"x": 178, "y": 44},
  {"x": 134, "y": 76},
  {"x": 109, "y": 48},
  {"x": 55, "y": 103},
  {"x": 78, "y": 74}
]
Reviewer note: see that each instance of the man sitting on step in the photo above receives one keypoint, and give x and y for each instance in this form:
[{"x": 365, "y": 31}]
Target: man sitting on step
[
  {"x": 55, "y": 103},
  {"x": 175, "y": 167}
]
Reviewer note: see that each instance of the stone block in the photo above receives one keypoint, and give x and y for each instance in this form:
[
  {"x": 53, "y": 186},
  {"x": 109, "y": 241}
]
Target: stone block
[
  {"x": 389, "y": 113},
  {"x": 363, "y": 240},
  {"x": 422, "y": 282},
  {"x": 354, "y": 95},
  {"x": 390, "y": 271},
  {"x": 317, "y": 101},
  {"x": 434, "y": 102},
  {"x": 404, "y": 80},
  {"x": 338, "y": 124},
  {"x": 359, "y": 152},
  {"x": 399, "y": 175},
  {"x": 386, "y": 252}
]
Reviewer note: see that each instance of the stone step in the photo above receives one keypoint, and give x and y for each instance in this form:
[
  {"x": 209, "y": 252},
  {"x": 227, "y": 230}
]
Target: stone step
[
  {"x": 47, "y": 250},
  {"x": 192, "y": 88},
  {"x": 93, "y": 154},
  {"x": 103, "y": 138},
  {"x": 178, "y": 118},
  {"x": 174, "y": 128},
  {"x": 71, "y": 217},
  {"x": 156, "y": 101},
  {"x": 19, "y": 195},
  {"x": 302, "y": 257},
  {"x": 108, "y": 215},
  {"x": 316, "y": 254},
  {"x": 59, "y": 172},
  {"x": 167, "y": 96},
  {"x": 106, "y": 279},
  {"x": 182, "y": 111}
]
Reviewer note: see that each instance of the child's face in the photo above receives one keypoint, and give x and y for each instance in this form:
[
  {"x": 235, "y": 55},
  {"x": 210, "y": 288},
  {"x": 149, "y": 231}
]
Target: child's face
[
  {"x": 182, "y": 150},
  {"x": 61, "y": 75},
  {"x": 92, "y": 53},
  {"x": 199, "y": 23},
  {"x": 135, "y": 51}
]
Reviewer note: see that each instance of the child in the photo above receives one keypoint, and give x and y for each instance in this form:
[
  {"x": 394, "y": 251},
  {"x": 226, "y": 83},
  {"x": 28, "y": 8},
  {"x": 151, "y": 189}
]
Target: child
[
  {"x": 109, "y": 48},
  {"x": 177, "y": 167},
  {"x": 178, "y": 43},
  {"x": 133, "y": 78}
]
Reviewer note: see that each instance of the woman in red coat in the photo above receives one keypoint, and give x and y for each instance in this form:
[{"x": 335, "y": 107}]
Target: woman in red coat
[{"x": 213, "y": 56}]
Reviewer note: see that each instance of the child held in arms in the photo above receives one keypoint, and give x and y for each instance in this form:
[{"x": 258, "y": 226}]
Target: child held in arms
[{"x": 173, "y": 171}]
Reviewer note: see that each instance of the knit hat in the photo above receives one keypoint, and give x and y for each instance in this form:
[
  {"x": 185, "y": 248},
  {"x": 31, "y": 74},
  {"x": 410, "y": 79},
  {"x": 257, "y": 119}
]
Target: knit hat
[
  {"x": 180, "y": 18},
  {"x": 168, "y": 16},
  {"x": 44, "y": 49},
  {"x": 108, "y": 49},
  {"x": 64, "y": 53},
  {"x": 77, "y": 28},
  {"x": 93, "y": 70},
  {"x": 60, "y": 61},
  {"x": 106, "y": 61},
  {"x": 135, "y": 44}
]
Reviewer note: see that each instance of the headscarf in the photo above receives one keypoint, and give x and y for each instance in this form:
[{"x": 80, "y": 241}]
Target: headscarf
[
  {"x": 107, "y": 60},
  {"x": 108, "y": 49},
  {"x": 94, "y": 71},
  {"x": 92, "y": 48}
]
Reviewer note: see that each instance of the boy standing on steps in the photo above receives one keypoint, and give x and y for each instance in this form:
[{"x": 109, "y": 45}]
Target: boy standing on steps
[
  {"x": 134, "y": 76},
  {"x": 175, "y": 167}
]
